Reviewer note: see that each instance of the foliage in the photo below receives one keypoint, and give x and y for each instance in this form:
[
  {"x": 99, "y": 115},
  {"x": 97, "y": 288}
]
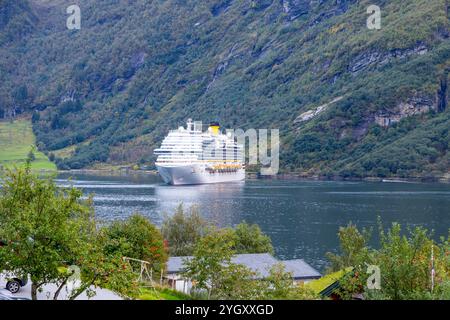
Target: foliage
[
  {"x": 237, "y": 282},
  {"x": 318, "y": 285},
  {"x": 31, "y": 157},
  {"x": 101, "y": 268},
  {"x": 212, "y": 270},
  {"x": 211, "y": 256},
  {"x": 250, "y": 239},
  {"x": 161, "y": 294},
  {"x": 279, "y": 285},
  {"x": 182, "y": 230},
  {"x": 404, "y": 261},
  {"x": 137, "y": 238},
  {"x": 46, "y": 228},
  {"x": 353, "y": 245}
]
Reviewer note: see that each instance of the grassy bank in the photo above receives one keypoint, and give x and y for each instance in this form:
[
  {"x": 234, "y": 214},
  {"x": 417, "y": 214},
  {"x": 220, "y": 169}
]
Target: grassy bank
[
  {"x": 161, "y": 294},
  {"x": 16, "y": 141}
]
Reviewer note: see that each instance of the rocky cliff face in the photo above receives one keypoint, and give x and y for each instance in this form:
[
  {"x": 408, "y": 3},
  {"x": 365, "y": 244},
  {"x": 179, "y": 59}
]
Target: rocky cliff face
[
  {"x": 413, "y": 106},
  {"x": 311, "y": 114},
  {"x": 364, "y": 60}
]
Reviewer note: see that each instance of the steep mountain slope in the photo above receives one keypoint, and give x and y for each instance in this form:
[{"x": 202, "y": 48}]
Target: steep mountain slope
[
  {"x": 348, "y": 100},
  {"x": 17, "y": 20}
]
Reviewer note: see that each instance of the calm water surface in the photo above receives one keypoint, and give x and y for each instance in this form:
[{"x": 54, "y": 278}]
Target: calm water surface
[{"x": 301, "y": 217}]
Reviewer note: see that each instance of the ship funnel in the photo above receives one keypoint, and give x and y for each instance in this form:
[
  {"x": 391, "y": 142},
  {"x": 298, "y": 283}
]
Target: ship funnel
[{"x": 214, "y": 127}]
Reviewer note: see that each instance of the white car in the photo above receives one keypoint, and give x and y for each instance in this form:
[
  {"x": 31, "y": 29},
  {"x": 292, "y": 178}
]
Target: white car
[
  {"x": 6, "y": 295},
  {"x": 13, "y": 285}
]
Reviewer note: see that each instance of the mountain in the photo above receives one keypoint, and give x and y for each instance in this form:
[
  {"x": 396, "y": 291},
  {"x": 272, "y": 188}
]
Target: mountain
[
  {"x": 348, "y": 100},
  {"x": 16, "y": 19}
]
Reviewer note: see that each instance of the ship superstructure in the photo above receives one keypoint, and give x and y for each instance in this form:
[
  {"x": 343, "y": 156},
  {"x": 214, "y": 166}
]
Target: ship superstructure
[{"x": 191, "y": 156}]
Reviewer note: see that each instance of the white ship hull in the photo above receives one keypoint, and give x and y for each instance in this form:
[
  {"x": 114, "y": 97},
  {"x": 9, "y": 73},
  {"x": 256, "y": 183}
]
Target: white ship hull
[{"x": 194, "y": 174}]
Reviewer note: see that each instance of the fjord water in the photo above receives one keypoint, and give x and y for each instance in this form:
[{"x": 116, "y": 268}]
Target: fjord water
[{"x": 301, "y": 217}]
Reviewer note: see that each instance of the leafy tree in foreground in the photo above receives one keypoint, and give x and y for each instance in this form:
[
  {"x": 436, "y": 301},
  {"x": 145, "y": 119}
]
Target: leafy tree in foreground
[
  {"x": 237, "y": 282},
  {"x": 405, "y": 263},
  {"x": 137, "y": 238},
  {"x": 250, "y": 239},
  {"x": 183, "y": 230},
  {"x": 404, "y": 260},
  {"x": 212, "y": 253},
  {"x": 46, "y": 229},
  {"x": 279, "y": 285},
  {"x": 31, "y": 157},
  {"x": 212, "y": 270},
  {"x": 353, "y": 245}
]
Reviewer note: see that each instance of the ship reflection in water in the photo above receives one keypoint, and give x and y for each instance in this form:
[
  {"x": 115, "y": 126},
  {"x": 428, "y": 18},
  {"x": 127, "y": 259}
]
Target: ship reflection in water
[
  {"x": 220, "y": 208},
  {"x": 301, "y": 217}
]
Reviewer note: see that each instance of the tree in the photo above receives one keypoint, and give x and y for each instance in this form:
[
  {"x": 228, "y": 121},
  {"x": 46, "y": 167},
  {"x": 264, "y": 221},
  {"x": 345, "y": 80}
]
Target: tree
[
  {"x": 20, "y": 94},
  {"x": 250, "y": 239},
  {"x": 35, "y": 117},
  {"x": 31, "y": 157},
  {"x": 101, "y": 268},
  {"x": 47, "y": 229},
  {"x": 211, "y": 254},
  {"x": 353, "y": 245},
  {"x": 212, "y": 269},
  {"x": 183, "y": 230},
  {"x": 238, "y": 282},
  {"x": 279, "y": 285},
  {"x": 38, "y": 222},
  {"x": 404, "y": 261},
  {"x": 137, "y": 238}
]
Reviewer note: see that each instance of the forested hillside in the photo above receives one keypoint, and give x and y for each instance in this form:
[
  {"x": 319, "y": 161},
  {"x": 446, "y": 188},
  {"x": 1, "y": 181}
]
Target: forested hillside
[{"x": 349, "y": 101}]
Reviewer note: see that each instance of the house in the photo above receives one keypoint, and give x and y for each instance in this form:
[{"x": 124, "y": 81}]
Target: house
[{"x": 260, "y": 263}]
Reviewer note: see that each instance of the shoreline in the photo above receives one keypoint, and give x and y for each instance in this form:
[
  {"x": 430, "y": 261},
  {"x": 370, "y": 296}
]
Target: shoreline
[{"x": 281, "y": 176}]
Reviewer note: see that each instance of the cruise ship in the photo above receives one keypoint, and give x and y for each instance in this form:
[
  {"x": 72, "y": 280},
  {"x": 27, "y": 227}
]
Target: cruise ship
[{"x": 191, "y": 156}]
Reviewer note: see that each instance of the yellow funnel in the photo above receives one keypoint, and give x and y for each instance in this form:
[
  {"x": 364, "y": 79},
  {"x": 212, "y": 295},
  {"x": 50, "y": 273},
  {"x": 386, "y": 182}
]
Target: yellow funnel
[{"x": 215, "y": 127}]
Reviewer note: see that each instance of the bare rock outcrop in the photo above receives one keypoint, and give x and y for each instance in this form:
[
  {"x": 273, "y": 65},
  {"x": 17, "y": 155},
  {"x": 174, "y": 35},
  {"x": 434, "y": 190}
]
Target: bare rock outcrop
[
  {"x": 365, "y": 60},
  {"x": 308, "y": 115},
  {"x": 413, "y": 106}
]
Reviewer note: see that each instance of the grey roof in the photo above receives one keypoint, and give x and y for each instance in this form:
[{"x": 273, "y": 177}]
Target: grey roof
[
  {"x": 175, "y": 264},
  {"x": 301, "y": 270},
  {"x": 261, "y": 263}
]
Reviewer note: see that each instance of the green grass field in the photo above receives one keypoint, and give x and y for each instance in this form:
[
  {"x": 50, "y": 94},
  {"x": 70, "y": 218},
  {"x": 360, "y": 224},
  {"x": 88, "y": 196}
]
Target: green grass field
[
  {"x": 161, "y": 294},
  {"x": 16, "y": 140}
]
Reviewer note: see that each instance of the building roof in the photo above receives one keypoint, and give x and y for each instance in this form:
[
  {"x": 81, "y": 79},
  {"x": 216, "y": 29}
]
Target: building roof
[
  {"x": 301, "y": 270},
  {"x": 261, "y": 263},
  {"x": 175, "y": 264}
]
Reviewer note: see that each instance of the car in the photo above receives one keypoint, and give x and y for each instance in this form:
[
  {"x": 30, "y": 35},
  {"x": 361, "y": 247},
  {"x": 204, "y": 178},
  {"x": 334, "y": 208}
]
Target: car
[
  {"x": 13, "y": 285},
  {"x": 6, "y": 295}
]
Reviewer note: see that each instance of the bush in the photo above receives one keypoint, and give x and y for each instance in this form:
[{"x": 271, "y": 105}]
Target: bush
[{"x": 137, "y": 238}]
